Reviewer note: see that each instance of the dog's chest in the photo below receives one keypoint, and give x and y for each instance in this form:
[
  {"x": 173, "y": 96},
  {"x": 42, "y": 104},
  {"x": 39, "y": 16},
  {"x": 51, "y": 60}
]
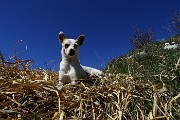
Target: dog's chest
[{"x": 73, "y": 72}]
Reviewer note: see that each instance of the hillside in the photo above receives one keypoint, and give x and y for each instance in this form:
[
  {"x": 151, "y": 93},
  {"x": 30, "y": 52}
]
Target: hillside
[
  {"x": 152, "y": 64},
  {"x": 144, "y": 84},
  {"x": 150, "y": 61}
]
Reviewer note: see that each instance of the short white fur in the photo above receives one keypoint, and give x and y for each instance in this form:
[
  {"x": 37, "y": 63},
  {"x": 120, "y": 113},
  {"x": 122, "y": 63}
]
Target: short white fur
[{"x": 70, "y": 67}]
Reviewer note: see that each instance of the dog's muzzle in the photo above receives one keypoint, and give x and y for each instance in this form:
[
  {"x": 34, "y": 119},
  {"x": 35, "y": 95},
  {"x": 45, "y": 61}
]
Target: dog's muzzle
[{"x": 71, "y": 52}]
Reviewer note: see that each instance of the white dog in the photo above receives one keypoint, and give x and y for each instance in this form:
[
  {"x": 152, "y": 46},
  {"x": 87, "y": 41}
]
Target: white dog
[{"x": 70, "y": 67}]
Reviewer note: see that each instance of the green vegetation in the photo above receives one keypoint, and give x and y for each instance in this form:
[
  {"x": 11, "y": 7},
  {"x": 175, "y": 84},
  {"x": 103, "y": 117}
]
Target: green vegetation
[
  {"x": 150, "y": 61},
  {"x": 152, "y": 64}
]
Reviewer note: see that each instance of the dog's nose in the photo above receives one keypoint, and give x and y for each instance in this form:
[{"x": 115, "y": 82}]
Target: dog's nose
[{"x": 71, "y": 52}]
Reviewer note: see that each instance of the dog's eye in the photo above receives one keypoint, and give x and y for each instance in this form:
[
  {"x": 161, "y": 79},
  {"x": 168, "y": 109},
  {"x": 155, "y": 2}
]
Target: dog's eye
[
  {"x": 75, "y": 46},
  {"x": 66, "y": 45}
]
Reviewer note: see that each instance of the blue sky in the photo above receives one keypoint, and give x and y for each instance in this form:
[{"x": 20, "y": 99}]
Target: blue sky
[{"x": 107, "y": 25}]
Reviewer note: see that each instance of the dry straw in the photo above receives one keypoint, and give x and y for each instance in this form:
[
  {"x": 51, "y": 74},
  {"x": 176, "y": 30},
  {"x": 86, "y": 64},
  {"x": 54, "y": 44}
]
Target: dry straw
[{"x": 32, "y": 94}]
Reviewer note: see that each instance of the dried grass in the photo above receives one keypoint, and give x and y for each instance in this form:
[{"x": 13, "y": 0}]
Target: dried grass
[{"x": 32, "y": 94}]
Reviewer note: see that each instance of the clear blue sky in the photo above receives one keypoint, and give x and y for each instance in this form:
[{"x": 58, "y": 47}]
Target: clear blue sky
[{"x": 107, "y": 25}]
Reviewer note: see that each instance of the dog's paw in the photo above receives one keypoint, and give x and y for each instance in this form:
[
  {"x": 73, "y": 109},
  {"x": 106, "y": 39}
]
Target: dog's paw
[
  {"x": 59, "y": 86},
  {"x": 73, "y": 82}
]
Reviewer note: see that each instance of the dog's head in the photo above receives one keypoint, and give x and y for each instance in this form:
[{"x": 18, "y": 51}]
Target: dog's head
[{"x": 70, "y": 47}]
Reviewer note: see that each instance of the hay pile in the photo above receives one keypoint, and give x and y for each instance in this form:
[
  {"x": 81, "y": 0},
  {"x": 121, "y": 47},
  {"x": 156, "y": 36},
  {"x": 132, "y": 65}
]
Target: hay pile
[{"x": 32, "y": 94}]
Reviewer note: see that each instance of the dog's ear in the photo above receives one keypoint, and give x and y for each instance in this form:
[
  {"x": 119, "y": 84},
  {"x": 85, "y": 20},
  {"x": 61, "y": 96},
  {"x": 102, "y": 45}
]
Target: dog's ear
[
  {"x": 61, "y": 37},
  {"x": 80, "y": 39}
]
